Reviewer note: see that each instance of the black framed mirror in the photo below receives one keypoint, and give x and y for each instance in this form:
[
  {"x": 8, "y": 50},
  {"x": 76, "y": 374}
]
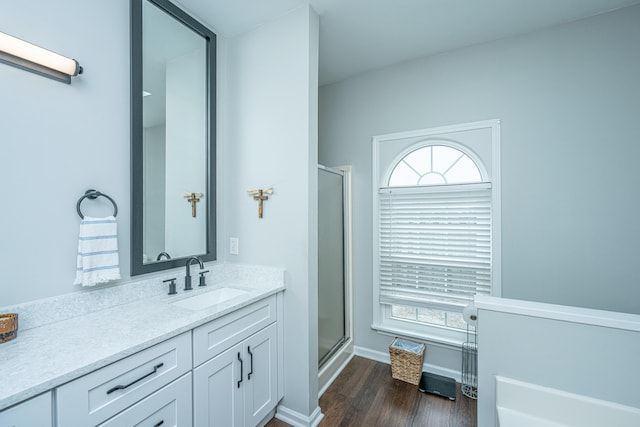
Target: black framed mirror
[{"x": 173, "y": 130}]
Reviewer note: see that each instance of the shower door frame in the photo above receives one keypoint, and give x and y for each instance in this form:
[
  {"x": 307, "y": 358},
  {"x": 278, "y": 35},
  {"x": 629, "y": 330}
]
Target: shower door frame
[{"x": 347, "y": 341}]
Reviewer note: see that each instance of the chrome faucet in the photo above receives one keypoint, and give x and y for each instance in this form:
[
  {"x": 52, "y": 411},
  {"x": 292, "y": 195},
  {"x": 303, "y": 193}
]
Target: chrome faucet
[
  {"x": 187, "y": 278},
  {"x": 163, "y": 254}
]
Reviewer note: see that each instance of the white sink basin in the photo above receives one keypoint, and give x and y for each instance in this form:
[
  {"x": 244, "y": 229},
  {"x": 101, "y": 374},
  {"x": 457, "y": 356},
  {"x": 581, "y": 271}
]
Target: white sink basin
[{"x": 208, "y": 299}]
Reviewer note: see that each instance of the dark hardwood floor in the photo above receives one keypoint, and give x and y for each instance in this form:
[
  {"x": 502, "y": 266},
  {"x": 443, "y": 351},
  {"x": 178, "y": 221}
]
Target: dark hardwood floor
[{"x": 365, "y": 394}]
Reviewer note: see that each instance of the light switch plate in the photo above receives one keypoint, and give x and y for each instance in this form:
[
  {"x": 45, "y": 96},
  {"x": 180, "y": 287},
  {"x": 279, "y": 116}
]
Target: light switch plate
[{"x": 233, "y": 245}]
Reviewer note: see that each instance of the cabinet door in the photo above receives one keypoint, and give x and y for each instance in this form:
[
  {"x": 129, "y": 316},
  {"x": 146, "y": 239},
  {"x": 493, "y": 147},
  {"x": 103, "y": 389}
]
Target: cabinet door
[
  {"x": 34, "y": 412},
  {"x": 261, "y": 388},
  {"x": 214, "y": 337},
  {"x": 217, "y": 397}
]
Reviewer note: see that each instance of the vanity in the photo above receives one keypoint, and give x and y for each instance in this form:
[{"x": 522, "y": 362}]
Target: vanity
[
  {"x": 131, "y": 354},
  {"x": 158, "y": 361}
]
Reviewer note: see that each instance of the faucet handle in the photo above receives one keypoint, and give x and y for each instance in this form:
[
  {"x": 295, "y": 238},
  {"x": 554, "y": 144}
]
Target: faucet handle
[
  {"x": 172, "y": 285},
  {"x": 202, "y": 278}
]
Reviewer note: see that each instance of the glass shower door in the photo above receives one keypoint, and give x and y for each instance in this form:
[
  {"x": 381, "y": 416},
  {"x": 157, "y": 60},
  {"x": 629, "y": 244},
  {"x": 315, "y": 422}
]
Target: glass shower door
[{"x": 331, "y": 277}]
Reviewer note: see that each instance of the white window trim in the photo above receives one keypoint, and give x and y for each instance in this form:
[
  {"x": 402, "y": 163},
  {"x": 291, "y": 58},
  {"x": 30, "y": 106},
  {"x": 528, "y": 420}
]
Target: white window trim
[{"x": 434, "y": 334}]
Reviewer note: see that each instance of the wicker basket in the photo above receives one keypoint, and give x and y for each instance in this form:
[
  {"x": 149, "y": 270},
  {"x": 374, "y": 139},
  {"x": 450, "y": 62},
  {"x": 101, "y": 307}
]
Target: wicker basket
[
  {"x": 406, "y": 365},
  {"x": 8, "y": 327}
]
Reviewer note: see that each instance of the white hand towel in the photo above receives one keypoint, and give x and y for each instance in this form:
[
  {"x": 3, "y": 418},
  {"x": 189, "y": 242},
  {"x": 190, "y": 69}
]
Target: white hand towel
[{"x": 98, "y": 260}]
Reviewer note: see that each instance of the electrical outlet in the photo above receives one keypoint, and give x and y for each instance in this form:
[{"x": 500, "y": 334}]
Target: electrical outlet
[{"x": 233, "y": 245}]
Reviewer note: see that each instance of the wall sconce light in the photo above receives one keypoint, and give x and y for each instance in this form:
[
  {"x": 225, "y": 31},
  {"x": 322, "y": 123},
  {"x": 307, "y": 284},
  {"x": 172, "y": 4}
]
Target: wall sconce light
[{"x": 30, "y": 57}]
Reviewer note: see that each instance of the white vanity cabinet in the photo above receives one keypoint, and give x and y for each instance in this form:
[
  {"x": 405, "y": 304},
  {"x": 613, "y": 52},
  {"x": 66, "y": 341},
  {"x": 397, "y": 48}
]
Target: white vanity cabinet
[
  {"x": 33, "y": 412},
  {"x": 235, "y": 378},
  {"x": 226, "y": 372},
  {"x": 94, "y": 398}
]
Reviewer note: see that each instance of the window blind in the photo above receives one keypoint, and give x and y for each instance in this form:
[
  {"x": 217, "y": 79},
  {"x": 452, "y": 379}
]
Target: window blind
[{"x": 435, "y": 245}]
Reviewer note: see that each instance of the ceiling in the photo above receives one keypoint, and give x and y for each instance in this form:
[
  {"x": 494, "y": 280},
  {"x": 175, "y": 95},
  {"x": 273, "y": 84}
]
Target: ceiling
[{"x": 362, "y": 35}]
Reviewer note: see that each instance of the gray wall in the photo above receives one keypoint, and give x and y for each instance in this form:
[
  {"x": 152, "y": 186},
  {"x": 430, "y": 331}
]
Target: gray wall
[
  {"x": 588, "y": 359},
  {"x": 568, "y": 102},
  {"x": 59, "y": 140},
  {"x": 272, "y": 129}
]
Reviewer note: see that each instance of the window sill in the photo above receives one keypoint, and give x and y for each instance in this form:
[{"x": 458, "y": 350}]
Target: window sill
[{"x": 430, "y": 338}]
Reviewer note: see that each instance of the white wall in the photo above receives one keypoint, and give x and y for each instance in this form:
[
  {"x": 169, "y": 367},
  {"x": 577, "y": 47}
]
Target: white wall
[
  {"x": 57, "y": 140},
  {"x": 154, "y": 169},
  {"x": 567, "y": 98},
  {"x": 186, "y": 155},
  {"x": 272, "y": 122}
]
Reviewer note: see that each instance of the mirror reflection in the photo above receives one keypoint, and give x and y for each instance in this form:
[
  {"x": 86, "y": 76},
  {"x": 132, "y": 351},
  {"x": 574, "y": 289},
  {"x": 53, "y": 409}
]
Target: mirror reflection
[
  {"x": 174, "y": 120},
  {"x": 173, "y": 195}
]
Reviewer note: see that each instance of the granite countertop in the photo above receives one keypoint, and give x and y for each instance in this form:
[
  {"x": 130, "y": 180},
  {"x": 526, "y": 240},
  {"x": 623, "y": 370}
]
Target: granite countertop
[{"x": 44, "y": 357}]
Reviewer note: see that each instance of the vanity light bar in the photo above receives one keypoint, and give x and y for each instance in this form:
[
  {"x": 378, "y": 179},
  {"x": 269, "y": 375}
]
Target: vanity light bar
[{"x": 30, "y": 57}]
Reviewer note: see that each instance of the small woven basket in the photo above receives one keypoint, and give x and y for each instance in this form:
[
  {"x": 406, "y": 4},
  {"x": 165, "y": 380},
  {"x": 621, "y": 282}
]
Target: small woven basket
[
  {"x": 406, "y": 365},
  {"x": 8, "y": 327}
]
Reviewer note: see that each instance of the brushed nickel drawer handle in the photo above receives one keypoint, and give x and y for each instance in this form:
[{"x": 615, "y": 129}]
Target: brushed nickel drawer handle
[
  {"x": 158, "y": 424},
  {"x": 122, "y": 387}
]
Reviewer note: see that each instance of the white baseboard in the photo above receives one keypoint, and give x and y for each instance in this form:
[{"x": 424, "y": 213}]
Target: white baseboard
[
  {"x": 383, "y": 357},
  {"x": 296, "y": 419}
]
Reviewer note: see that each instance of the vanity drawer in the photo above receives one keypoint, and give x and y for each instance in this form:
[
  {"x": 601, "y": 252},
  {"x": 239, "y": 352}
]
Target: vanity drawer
[
  {"x": 97, "y": 396},
  {"x": 168, "y": 407},
  {"x": 216, "y": 336}
]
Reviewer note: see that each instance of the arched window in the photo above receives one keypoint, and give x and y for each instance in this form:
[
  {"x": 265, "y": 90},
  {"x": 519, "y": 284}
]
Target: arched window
[
  {"x": 435, "y": 165},
  {"x": 434, "y": 235}
]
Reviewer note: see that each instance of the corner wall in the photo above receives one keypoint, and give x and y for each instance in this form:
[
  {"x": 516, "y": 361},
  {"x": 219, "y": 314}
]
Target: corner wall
[{"x": 272, "y": 141}]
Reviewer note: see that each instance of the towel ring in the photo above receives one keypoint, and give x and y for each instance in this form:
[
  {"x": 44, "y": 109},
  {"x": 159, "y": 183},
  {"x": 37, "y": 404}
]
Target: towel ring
[{"x": 94, "y": 194}]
